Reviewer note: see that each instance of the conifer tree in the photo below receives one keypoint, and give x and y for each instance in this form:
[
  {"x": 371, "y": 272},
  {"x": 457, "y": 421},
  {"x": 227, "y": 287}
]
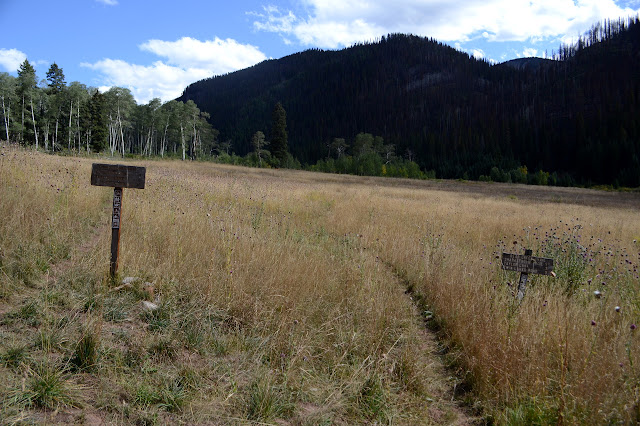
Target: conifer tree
[
  {"x": 55, "y": 77},
  {"x": 26, "y": 87},
  {"x": 56, "y": 99},
  {"x": 98, "y": 123},
  {"x": 279, "y": 142},
  {"x": 258, "y": 143}
]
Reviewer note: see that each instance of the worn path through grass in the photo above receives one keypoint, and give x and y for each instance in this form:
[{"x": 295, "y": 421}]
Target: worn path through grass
[{"x": 265, "y": 314}]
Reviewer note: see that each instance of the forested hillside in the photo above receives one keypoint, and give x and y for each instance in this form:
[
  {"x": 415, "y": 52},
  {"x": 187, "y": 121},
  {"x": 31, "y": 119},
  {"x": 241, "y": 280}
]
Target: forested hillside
[{"x": 573, "y": 120}]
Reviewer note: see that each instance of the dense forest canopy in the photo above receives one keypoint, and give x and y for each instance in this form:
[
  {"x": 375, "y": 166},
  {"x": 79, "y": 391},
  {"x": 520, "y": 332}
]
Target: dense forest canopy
[{"x": 573, "y": 120}]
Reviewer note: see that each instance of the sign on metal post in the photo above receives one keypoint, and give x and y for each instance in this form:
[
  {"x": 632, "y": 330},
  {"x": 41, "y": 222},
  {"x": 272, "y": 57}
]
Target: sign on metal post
[
  {"x": 526, "y": 264},
  {"x": 118, "y": 176}
]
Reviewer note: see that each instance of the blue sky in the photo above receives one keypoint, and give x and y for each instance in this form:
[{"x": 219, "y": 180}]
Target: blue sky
[{"x": 156, "y": 48}]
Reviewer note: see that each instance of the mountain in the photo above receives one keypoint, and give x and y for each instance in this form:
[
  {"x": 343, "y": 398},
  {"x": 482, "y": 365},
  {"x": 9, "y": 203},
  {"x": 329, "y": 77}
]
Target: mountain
[
  {"x": 529, "y": 64},
  {"x": 576, "y": 117}
]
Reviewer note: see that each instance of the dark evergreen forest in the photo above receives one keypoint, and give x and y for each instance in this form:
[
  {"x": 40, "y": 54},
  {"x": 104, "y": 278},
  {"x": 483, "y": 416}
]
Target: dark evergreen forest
[{"x": 573, "y": 120}]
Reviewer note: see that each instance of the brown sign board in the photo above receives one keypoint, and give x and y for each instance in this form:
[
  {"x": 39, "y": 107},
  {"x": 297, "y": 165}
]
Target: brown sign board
[
  {"x": 527, "y": 264},
  {"x": 118, "y": 176}
]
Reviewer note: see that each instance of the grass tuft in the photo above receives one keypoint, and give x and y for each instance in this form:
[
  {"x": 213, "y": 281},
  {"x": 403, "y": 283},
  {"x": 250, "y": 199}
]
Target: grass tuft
[
  {"x": 85, "y": 354},
  {"x": 372, "y": 399},
  {"x": 267, "y": 401},
  {"x": 15, "y": 355},
  {"x": 48, "y": 386}
]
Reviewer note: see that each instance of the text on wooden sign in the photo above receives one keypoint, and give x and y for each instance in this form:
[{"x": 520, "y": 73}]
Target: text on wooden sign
[
  {"x": 527, "y": 264},
  {"x": 117, "y": 208},
  {"x": 118, "y": 175}
]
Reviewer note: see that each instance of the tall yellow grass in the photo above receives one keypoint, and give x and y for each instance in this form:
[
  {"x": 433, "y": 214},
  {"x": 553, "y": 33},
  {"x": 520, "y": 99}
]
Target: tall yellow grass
[
  {"x": 285, "y": 292},
  {"x": 564, "y": 353}
]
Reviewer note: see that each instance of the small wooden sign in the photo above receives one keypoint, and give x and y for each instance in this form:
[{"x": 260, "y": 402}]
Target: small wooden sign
[
  {"x": 526, "y": 264},
  {"x": 117, "y": 208},
  {"x": 118, "y": 175}
]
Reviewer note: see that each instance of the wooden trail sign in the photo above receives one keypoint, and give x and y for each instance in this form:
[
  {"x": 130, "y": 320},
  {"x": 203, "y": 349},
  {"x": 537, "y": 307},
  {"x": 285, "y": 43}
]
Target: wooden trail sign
[
  {"x": 526, "y": 264},
  {"x": 118, "y": 176}
]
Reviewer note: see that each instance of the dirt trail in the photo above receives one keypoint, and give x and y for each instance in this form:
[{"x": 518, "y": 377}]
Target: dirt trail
[
  {"x": 445, "y": 406},
  {"x": 433, "y": 347}
]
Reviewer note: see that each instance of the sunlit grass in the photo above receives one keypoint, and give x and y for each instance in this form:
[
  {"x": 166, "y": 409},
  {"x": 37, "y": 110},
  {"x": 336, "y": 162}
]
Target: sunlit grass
[{"x": 281, "y": 296}]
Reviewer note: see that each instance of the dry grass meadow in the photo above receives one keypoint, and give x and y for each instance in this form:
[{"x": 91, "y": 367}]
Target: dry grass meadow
[{"x": 289, "y": 297}]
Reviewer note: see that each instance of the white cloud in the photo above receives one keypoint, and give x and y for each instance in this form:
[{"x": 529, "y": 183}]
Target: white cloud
[
  {"x": 108, "y": 2},
  {"x": 147, "y": 82},
  {"x": 274, "y": 21},
  {"x": 530, "y": 52},
  {"x": 335, "y": 23},
  {"x": 218, "y": 56},
  {"x": 478, "y": 53},
  {"x": 188, "y": 60},
  {"x": 10, "y": 59}
]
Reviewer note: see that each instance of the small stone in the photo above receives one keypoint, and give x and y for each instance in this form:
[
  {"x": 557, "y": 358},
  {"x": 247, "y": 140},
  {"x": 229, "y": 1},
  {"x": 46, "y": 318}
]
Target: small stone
[
  {"x": 129, "y": 280},
  {"x": 149, "y": 290},
  {"x": 149, "y": 306}
]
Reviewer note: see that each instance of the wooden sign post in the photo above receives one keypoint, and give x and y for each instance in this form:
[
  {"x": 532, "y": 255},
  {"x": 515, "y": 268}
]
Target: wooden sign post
[
  {"x": 526, "y": 264},
  {"x": 119, "y": 177}
]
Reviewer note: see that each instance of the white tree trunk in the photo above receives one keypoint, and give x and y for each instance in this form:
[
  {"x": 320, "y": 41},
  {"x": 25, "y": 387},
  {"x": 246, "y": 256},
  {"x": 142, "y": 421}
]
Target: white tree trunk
[
  {"x": 78, "y": 125},
  {"x": 182, "y": 140},
  {"x": 194, "y": 142},
  {"x": 33, "y": 119},
  {"x": 5, "y": 118},
  {"x": 22, "y": 124},
  {"x": 113, "y": 139},
  {"x": 112, "y": 135},
  {"x": 46, "y": 136},
  {"x": 164, "y": 139},
  {"x": 147, "y": 147},
  {"x": 121, "y": 137},
  {"x": 55, "y": 138},
  {"x": 70, "y": 117},
  {"x": 121, "y": 132}
]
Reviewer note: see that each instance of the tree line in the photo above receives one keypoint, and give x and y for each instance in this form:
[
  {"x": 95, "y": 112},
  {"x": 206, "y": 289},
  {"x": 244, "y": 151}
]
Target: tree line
[
  {"x": 574, "y": 117},
  {"x": 52, "y": 115},
  {"x": 433, "y": 110}
]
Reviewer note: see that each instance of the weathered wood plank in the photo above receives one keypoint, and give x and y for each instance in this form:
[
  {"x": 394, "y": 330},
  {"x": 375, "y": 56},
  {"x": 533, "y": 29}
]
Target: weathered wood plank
[
  {"x": 118, "y": 175},
  {"x": 527, "y": 264}
]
